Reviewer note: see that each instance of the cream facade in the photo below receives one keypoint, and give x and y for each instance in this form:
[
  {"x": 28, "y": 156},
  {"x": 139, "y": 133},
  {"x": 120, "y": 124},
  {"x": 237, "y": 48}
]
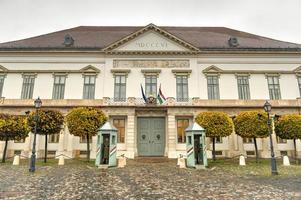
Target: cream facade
[{"x": 157, "y": 53}]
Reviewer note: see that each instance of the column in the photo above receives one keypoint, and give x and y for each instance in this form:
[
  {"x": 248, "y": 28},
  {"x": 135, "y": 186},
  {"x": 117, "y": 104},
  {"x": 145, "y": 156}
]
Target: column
[
  {"x": 171, "y": 136},
  {"x": 130, "y": 136}
]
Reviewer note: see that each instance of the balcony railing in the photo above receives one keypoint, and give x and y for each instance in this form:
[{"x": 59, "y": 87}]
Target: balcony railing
[{"x": 139, "y": 102}]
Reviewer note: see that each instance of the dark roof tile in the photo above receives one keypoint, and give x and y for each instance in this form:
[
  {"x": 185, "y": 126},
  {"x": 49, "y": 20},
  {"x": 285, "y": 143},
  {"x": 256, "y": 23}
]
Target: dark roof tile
[{"x": 98, "y": 37}]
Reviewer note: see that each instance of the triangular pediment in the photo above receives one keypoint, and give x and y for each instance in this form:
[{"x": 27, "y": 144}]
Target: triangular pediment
[
  {"x": 90, "y": 69},
  {"x": 3, "y": 69},
  {"x": 212, "y": 69},
  {"x": 151, "y": 39},
  {"x": 297, "y": 70}
]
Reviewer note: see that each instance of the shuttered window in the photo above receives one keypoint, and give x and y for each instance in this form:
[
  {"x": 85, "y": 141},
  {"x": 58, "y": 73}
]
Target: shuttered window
[
  {"x": 120, "y": 88},
  {"x": 274, "y": 87},
  {"x": 213, "y": 87},
  {"x": 243, "y": 87},
  {"x": 119, "y": 123},
  {"x": 182, "y": 124},
  {"x": 54, "y": 138},
  {"x": 182, "y": 88},
  {"x": 299, "y": 83},
  {"x": 28, "y": 86},
  {"x": 1, "y": 84},
  {"x": 89, "y": 87},
  {"x": 59, "y": 87},
  {"x": 150, "y": 85}
]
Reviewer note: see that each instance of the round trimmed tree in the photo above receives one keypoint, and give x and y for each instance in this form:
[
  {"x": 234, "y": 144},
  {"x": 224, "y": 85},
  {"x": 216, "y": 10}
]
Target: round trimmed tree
[
  {"x": 49, "y": 122},
  {"x": 84, "y": 122},
  {"x": 289, "y": 127},
  {"x": 216, "y": 124},
  {"x": 12, "y": 127},
  {"x": 252, "y": 124}
]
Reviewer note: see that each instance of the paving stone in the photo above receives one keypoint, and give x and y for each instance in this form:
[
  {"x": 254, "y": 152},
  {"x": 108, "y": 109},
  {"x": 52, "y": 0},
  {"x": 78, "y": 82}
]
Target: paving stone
[{"x": 140, "y": 179}]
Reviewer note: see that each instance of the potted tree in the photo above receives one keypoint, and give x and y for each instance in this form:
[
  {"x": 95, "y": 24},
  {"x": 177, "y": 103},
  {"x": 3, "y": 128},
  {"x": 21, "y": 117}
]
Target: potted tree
[
  {"x": 12, "y": 127},
  {"x": 49, "y": 122},
  {"x": 216, "y": 124},
  {"x": 252, "y": 124},
  {"x": 289, "y": 127},
  {"x": 84, "y": 122}
]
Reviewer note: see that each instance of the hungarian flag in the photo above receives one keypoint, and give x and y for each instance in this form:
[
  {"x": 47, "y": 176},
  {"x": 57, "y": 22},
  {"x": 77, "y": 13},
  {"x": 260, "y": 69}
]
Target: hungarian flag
[
  {"x": 143, "y": 95},
  {"x": 160, "y": 96}
]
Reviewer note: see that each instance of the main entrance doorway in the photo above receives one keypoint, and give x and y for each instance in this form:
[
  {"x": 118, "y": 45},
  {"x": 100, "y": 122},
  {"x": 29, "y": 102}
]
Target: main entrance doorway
[{"x": 151, "y": 136}]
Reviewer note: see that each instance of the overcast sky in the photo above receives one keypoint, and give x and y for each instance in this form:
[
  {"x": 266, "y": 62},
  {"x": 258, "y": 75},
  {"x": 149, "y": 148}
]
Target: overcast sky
[{"x": 278, "y": 19}]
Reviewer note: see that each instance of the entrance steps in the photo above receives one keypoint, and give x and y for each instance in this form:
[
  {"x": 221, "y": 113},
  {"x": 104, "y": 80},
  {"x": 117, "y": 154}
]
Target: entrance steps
[{"x": 152, "y": 159}]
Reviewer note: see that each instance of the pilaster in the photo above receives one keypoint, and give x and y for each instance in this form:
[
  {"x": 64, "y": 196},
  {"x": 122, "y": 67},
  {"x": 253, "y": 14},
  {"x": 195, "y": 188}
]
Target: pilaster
[
  {"x": 130, "y": 138},
  {"x": 27, "y": 145},
  {"x": 172, "y": 136},
  {"x": 93, "y": 148}
]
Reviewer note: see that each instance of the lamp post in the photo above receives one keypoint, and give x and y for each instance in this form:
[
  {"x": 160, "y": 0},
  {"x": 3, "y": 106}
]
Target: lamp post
[
  {"x": 268, "y": 107},
  {"x": 37, "y": 105}
]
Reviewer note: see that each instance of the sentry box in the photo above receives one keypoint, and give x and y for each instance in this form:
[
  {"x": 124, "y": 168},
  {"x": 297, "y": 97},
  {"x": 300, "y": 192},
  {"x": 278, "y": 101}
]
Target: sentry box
[
  {"x": 196, "y": 146},
  {"x": 106, "y": 146}
]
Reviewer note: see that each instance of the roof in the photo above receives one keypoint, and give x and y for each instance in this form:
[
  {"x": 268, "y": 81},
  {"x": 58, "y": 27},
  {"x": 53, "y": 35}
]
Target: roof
[
  {"x": 107, "y": 127},
  {"x": 194, "y": 127},
  {"x": 99, "y": 37}
]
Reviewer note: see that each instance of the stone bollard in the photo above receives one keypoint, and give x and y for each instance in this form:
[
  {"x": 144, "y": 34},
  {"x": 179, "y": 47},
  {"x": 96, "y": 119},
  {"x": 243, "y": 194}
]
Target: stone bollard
[
  {"x": 182, "y": 163},
  {"x": 16, "y": 160},
  {"x": 178, "y": 162},
  {"x": 286, "y": 161},
  {"x": 242, "y": 161},
  {"x": 61, "y": 160},
  {"x": 121, "y": 161}
]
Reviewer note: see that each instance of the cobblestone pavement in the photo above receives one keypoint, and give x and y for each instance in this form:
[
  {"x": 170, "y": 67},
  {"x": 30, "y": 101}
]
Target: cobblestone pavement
[{"x": 140, "y": 179}]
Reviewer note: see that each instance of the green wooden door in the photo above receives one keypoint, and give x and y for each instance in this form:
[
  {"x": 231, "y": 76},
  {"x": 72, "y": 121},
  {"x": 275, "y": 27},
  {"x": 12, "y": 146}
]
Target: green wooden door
[{"x": 151, "y": 136}]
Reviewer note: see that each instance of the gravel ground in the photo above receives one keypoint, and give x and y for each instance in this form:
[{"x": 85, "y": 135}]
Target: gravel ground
[{"x": 140, "y": 179}]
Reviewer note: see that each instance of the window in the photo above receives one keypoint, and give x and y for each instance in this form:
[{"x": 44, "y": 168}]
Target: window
[
  {"x": 150, "y": 85},
  {"x": 182, "y": 87},
  {"x": 83, "y": 139},
  {"x": 1, "y": 84},
  {"x": 59, "y": 87},
  {"x": 274, "y": 87},
  {"x": 279, "y": 140},
  {"x": 182, "y": 124},
  {"x": 54, "y": 138},
  {"x": 89, "y": 86},
  {"x": 120, "y": 88},
  {"x": 218, "y": 140},
  {"x": 213, "y": 87},
  {"x": 19, "y": 140},
  {"x": 27, "y": 87},
  {"x": 247, "y": 140},
  {"x": 299, "y": 83},
  {"x": 120, "y": 125},
  {"x": 243, "y": 87}
]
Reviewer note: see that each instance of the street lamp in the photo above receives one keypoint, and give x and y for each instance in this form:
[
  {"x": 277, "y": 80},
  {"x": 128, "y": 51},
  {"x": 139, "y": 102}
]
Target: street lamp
[
  {"x": 268, "y": 107},
  {"x": 37, "y": 105}
]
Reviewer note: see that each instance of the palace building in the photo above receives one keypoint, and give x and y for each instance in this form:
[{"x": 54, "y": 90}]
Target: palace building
[{"x": 196, "y": 69}]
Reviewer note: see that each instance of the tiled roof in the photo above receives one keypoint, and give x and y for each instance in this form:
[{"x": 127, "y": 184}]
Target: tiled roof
[{"x": 99, "y": 37}]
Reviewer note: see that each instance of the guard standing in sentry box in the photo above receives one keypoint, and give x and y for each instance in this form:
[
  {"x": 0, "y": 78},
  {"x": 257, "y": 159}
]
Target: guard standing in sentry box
[
  {"x": 106, "y": 146},
  {"x": 196, "y": 146}
]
